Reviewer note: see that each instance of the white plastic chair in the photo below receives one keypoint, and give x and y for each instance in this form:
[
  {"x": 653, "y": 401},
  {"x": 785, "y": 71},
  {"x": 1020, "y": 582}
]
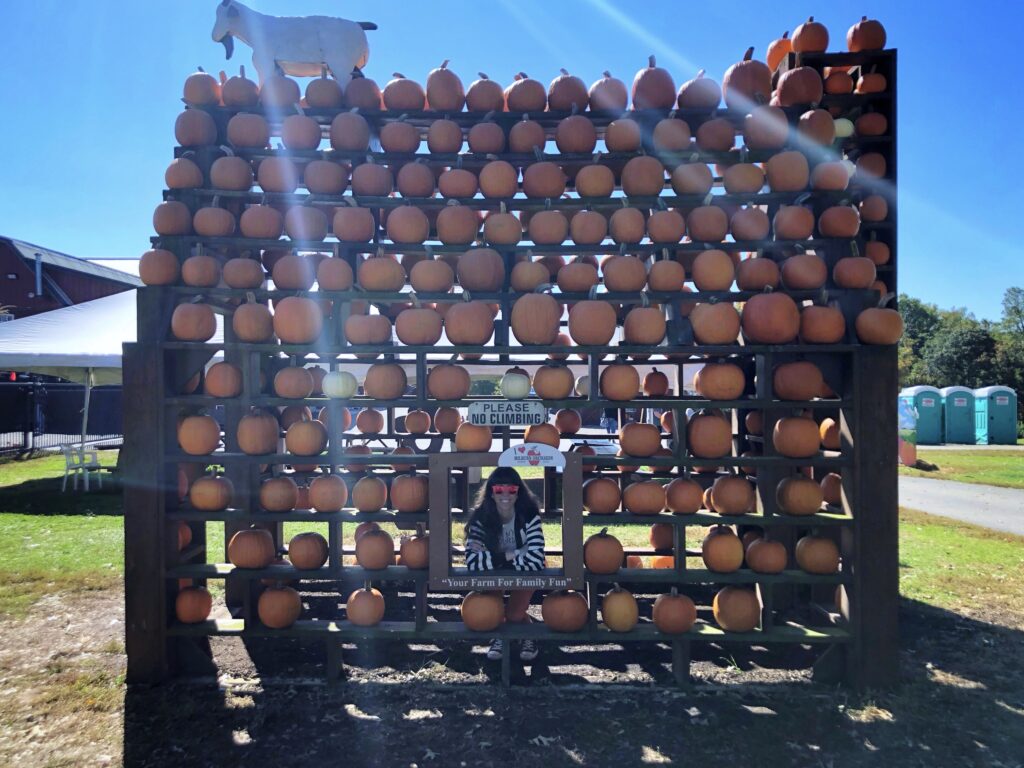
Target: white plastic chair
[{"x": 78, "y": 461}]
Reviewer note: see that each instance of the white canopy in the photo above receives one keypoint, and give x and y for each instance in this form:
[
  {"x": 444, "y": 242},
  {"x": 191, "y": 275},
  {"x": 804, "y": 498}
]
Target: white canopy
[{"x": 72, "y": 341}]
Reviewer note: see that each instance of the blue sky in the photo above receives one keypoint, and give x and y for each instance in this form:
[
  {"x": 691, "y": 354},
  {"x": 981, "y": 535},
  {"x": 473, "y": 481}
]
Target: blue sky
[{"x": 92, "y": 89}]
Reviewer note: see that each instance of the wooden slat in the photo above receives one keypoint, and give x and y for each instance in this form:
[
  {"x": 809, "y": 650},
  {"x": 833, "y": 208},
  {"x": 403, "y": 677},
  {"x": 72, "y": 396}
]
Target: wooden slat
[
  {"x": 455, "y": 630},
  {"x": 145, "y": 540}
]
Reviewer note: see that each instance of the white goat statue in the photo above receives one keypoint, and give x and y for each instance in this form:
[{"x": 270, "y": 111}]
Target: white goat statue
[{"x": 297, "y": 45}]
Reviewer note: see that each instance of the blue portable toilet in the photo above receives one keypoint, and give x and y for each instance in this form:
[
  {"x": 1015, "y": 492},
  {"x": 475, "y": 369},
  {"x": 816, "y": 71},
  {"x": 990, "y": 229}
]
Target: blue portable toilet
[
  {"x": 995, "y": 416},
  {"x": 958, "y": 421},
  {"x": 927, "y": 401}
]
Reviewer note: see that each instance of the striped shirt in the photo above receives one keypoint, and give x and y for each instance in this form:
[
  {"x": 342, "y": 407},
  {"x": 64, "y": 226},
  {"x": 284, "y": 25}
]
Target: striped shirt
[{"x": 529, "y": 549}]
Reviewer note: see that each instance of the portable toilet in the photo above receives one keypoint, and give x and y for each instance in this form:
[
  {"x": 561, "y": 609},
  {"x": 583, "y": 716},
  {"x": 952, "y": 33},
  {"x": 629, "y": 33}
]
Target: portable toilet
[
  {"x": 995, "y": 416},
  {"x": 958, "y": 415},
  {"x": 927, "y": 401}
]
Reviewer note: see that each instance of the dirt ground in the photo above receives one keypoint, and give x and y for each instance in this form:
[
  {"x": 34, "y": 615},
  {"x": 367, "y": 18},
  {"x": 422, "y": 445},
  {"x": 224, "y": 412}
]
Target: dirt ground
[{"x": 63, "y": 703}]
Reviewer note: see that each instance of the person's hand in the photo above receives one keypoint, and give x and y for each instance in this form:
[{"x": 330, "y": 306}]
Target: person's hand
[{"x": 475, "y": 546}]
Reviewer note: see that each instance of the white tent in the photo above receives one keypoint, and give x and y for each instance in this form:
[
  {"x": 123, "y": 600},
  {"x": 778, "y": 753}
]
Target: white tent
[
  {"x": 73, "y": 341},
  {"x": 80, "y": 343}
]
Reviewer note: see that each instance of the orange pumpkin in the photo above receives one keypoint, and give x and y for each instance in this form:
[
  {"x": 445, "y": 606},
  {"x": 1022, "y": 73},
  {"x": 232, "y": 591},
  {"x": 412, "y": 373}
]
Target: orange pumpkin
[
  {"x": 534, "y": 319},
  {"x": 482, "y": 611},
  {"x": 608, "y": 93},
  {"x": 279, "y": 607},
  {"x": 251, "y": 548},
  {"x": 365, "y": 607},
  {"x": 193, "y": 605},
  {"x": 799, "y": 495},
  {"x": 736, "y": 609},
  {"x": 565, "y": 611},
  {"x": 746, "y": 83},
  {"x": 674, "y": 614},
  {"x": 770, "y": 318},
  {"x": 644, "y": 498},
  {"x": 375, "y": 550},
  {"x": 602, "y": 553},
  {"x": 816, "y": 554}
]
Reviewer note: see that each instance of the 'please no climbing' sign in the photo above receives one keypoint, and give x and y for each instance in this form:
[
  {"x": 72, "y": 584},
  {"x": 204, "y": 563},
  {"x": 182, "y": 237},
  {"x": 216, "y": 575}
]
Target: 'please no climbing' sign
[{"x": 507, "y": 414}]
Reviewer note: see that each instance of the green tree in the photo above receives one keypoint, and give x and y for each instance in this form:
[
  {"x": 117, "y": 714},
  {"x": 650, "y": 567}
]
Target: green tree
[
  {"x": 964, "y": 355},
  {"x": 920, "y": 322},
  {"x": 1013, "y": 311}
]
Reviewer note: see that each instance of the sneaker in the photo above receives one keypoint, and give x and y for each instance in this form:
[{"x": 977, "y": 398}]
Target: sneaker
[
  {"x": 528, "y": 650},
  {"x": 496, "y": 649}
]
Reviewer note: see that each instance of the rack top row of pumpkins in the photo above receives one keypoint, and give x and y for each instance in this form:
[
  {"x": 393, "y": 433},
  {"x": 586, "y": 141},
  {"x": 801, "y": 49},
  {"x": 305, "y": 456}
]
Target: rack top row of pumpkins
[{"x": 746, "y": 82}]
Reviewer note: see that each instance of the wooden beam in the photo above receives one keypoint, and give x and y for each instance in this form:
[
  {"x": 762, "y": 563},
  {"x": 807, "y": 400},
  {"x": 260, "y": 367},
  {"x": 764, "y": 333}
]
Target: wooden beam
[{"x": 871, "y": 546}]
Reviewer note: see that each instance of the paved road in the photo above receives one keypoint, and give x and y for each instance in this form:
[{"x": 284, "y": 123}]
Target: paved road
[
  {"x": 957, "y": 447},
  {"x": 1001, "y": 509}
]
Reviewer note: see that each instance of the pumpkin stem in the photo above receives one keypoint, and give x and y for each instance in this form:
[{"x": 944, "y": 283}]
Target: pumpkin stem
[
  {"x": 483, "y": 76},
  {"x": 444, "y": 64},
  {"x": 810, "y": 19},
  {"x": 521, "y": 76},
  {"x": 675, "y": 591},
  {"x": 323, "y": 73},
  {"x": 200, "y": 69},
  {"x": 650, "y": 61},
  {"x": 564, "y": 71},
  {"x": 785, "y": 35},
  {"x": 399, "y": 75},
  {"x": 223, "y": 77},
  {"x": 700, "y": 74},
  {"x": 241, "y": 70},
  {"x": 749, "y": 54},
  {"x": 606, "y": 73},
  {"x": 603, "y": 532}
]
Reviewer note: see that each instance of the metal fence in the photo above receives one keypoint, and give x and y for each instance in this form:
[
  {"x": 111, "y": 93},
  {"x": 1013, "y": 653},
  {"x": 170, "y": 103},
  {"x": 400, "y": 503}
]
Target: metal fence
[{"x": 39, "y": 416}]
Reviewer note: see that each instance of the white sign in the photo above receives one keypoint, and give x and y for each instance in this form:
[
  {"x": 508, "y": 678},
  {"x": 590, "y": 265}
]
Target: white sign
[
  {"x": 1002, "y": 400},
  {"x": 927, "y": 402},
  {"x": 503, "y": 413},
  {"x": 959, "y": 402},
  {"x": 531, "y": 455}
]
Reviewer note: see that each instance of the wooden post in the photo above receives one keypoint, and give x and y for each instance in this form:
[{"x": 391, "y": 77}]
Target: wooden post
[
  {"x": 144, "y": 531},
  {"x": 869, "y": 433}
]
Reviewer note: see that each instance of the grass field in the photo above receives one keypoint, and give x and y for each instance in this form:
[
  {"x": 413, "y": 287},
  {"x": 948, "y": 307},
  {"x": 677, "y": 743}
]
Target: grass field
[{"x": 1002, "y": 468}]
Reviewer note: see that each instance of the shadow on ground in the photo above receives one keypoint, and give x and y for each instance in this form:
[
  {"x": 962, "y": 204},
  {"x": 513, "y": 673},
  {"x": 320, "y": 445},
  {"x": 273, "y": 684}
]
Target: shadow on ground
[
  {"x": 960, "y": 701},
  {"x": 44, "y": 497}
]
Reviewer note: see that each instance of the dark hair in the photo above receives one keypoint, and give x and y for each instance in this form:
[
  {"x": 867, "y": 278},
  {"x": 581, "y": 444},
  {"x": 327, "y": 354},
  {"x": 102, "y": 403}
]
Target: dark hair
[{"x": 485, "y": 511}]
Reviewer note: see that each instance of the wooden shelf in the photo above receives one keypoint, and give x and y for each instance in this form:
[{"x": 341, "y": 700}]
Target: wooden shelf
[
  {"x": 456, "y": 631},
  {"x": 520, "y": 203},
  {"x": 171, "y": 242}
]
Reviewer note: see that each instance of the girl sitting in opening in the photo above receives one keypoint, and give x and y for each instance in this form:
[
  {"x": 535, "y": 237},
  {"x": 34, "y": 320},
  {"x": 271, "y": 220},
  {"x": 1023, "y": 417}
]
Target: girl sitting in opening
[{"x": 504, "y": 532}]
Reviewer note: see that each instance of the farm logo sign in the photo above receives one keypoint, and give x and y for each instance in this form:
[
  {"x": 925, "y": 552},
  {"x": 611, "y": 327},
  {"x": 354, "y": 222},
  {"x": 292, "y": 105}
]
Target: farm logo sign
[{"x": 531, "y": 455}]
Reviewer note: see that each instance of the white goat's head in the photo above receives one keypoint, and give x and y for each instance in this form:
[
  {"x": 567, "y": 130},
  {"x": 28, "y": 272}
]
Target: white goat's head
[{"x": 227, "y": 14}]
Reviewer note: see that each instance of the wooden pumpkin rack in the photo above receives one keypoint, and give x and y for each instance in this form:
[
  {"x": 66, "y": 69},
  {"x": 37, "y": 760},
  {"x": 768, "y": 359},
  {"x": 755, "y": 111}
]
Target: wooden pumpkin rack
[{"x": 860, "y": 636}]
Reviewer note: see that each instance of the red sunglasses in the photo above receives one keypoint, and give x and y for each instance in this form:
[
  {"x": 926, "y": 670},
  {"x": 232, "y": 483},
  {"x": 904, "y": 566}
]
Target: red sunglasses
[{"x": 509, "y": 489}]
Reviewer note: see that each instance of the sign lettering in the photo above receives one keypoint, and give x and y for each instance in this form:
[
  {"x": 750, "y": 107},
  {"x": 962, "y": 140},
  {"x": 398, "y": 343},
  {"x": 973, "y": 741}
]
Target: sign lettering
[
  {"x": 505, "y": 582},
  {"x": 507, "y": 414}
]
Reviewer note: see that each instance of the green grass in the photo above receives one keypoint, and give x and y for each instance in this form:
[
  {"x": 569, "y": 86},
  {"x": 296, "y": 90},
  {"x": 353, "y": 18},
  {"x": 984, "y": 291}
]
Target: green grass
[
  {"x": 960, "y": 567},
  {"x": 995, "y": 467},
  {"x": 52, "y": 541}
]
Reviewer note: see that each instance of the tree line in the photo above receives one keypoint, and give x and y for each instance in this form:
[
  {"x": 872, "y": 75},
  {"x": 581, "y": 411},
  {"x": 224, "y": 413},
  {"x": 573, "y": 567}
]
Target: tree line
[{"x": 951, "y": 347}]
